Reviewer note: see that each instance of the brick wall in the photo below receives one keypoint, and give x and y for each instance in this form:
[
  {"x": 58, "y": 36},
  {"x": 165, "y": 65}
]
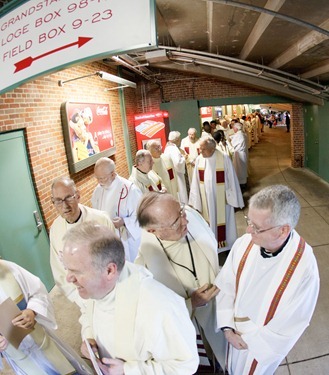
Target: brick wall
[
  {"x": 297, "y": 136},
  {"x": 35, "y": 106},
  {"x": 178, "y": 86}
]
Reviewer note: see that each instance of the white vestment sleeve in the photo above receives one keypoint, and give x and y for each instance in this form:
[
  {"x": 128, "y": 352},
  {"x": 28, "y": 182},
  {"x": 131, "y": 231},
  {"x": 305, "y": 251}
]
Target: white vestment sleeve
[
  {"x": 233, "y": 191},
  {"x": 177, "y": 158},
  {"x": 130, "y": 220},
  {"x": 36, "y": 295},
  {"x": 68, "y": 289},
  {"x": 195, "y": 194}
]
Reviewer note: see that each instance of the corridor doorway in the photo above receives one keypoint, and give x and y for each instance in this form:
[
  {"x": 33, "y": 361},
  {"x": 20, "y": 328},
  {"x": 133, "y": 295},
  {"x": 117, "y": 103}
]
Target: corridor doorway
[{"x": 23, "y": 237}]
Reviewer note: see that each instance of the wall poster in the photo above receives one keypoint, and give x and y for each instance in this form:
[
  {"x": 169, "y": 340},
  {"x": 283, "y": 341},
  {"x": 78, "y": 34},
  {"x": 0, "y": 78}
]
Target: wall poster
[{"x": 88, "y": 133}]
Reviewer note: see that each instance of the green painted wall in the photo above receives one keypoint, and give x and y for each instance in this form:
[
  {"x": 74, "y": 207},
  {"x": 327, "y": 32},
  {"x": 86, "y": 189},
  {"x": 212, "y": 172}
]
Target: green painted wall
[
  {"x": 316, "y": 120},
  {"x": 183, "y": 115}
]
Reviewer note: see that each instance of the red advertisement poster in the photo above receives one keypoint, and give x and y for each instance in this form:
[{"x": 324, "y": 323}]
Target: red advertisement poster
[
  {"x": 87, "y": 131},
  {"x": 151, "y": 125}
]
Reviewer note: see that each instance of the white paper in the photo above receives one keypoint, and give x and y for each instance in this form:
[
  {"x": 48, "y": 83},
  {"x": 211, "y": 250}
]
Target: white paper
[{"x": 93, "y": 358}]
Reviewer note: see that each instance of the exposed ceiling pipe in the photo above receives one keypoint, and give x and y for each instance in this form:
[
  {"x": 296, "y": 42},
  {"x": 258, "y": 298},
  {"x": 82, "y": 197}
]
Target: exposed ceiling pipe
[
  {"x": 285, "y": 83},
  {"x": 255, "y": 72},
  {"x": 243, "y": 63},
  {"x": 136, "y": 70},
  {"x": 251, "y": 69},
  {"x": 136, "y": 64}
]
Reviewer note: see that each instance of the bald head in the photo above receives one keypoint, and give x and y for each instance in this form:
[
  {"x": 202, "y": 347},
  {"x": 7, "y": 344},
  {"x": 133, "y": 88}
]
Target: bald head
[
  {"x": 150, "y": 206},
  {"x": 207, "y": 146},
  {"x": 237, "y": 126},
  {"x": 163, "y": 216},
  {"x": 105, "y": 171},
  {"x": 106, "y": 164},
  {"x": 63, "y": 181},
  {"x": 174, "y": 137}
]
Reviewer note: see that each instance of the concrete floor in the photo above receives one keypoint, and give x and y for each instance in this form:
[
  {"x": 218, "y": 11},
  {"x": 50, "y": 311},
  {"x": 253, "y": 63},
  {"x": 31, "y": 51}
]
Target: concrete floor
[{"x": 269, "y": 164}]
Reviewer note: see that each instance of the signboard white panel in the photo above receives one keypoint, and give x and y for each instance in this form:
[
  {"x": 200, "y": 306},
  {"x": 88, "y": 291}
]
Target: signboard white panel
[{"x": 42, "y": 36}]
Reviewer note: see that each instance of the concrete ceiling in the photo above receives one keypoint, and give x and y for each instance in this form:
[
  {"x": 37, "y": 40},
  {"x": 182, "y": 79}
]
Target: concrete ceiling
[
  {"x": 278, "y": 46},
  {"x": 281, "y": 46}
]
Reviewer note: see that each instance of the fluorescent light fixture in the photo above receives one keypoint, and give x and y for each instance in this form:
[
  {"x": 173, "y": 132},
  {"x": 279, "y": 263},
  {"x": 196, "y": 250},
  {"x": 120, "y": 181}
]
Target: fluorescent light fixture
[
  {"x": 116, "y": 88},
  {"x": 107, "y": 77},
  {"x": 116, "y": 79}
]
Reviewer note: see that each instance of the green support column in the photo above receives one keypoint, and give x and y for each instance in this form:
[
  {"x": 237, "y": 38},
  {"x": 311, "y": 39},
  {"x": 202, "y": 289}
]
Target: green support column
[{"x": 125, "y": 127}]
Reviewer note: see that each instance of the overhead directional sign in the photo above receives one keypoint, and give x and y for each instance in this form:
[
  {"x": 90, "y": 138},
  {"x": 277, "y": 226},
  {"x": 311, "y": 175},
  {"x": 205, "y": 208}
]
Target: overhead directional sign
[{"x": 43, "y": 36}]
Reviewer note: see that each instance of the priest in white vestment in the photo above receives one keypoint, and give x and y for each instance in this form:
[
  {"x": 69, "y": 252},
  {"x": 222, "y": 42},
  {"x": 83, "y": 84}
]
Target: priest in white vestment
[
  {"x": 40, "y": 352},
  {"x": 269, "y": 285},
  {"x": 240, "y": 159},
  {"x": 66, "y": 197},
  {"x": 134, "y": 324},
  {"x": 163, "y": 166},
  {"x": 178, "y": 157},
  {"x": 119, "y": 198},
  {"x": 191, "y": 146},
  {"x": 215, "y": 192},
  {"x": 180, "y": 250},
  {"x": 143, "y": 176},
  {"x": 254, "y": 128}
]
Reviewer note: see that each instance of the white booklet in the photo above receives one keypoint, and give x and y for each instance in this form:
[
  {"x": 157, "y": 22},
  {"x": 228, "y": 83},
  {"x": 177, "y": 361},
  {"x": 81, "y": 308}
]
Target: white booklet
[{"x": 93, "y": 358}]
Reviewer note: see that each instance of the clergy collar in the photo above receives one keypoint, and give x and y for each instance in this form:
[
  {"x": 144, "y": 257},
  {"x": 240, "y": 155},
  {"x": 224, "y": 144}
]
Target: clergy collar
[
  {"x": 267, "y": 254},
  {"x": 74, "y": 222},
  {"x": 141, "y": 171}
]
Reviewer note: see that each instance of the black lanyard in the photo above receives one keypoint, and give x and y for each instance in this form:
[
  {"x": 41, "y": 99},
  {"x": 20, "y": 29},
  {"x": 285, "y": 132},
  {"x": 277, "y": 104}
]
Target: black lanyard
[{"x": 193, "y": 271}]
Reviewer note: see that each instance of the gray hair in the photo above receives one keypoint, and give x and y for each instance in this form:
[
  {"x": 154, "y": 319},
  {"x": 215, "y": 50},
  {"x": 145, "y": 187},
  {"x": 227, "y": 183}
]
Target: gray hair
[
  {"x": 152, "y": 143},
  {"x": 64, "y": 180},
  {"x": 103, "y": 244},
  {"x": 238, "y": 125},
  {"x": 141, "y": 155},
  {"x": 105, "y": 162},
  {"x": 173, "y": 136},
  {"x": 209, "y": 142},
  {"x": 281, "y": 201}
]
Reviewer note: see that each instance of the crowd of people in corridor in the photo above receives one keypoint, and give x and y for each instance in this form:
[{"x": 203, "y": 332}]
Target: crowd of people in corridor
[{"x": 142, "y": 265}]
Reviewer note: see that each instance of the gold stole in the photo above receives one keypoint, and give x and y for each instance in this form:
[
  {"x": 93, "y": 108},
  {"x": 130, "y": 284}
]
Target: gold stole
[
  {"x": 155, "y": 180},
  {"x": 220, "y": 196}
]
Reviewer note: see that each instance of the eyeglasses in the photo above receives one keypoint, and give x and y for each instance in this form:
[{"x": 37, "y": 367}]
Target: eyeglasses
[
  {"x": 104, "y": 178},
  {"x": 59, "y": 202},
  {"x": 255, "y": 229},
  {"x": 176, "y": 224}
]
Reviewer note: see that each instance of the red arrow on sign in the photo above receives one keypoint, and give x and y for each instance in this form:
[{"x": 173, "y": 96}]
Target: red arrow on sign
[{"x": 25, "y": 63}]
